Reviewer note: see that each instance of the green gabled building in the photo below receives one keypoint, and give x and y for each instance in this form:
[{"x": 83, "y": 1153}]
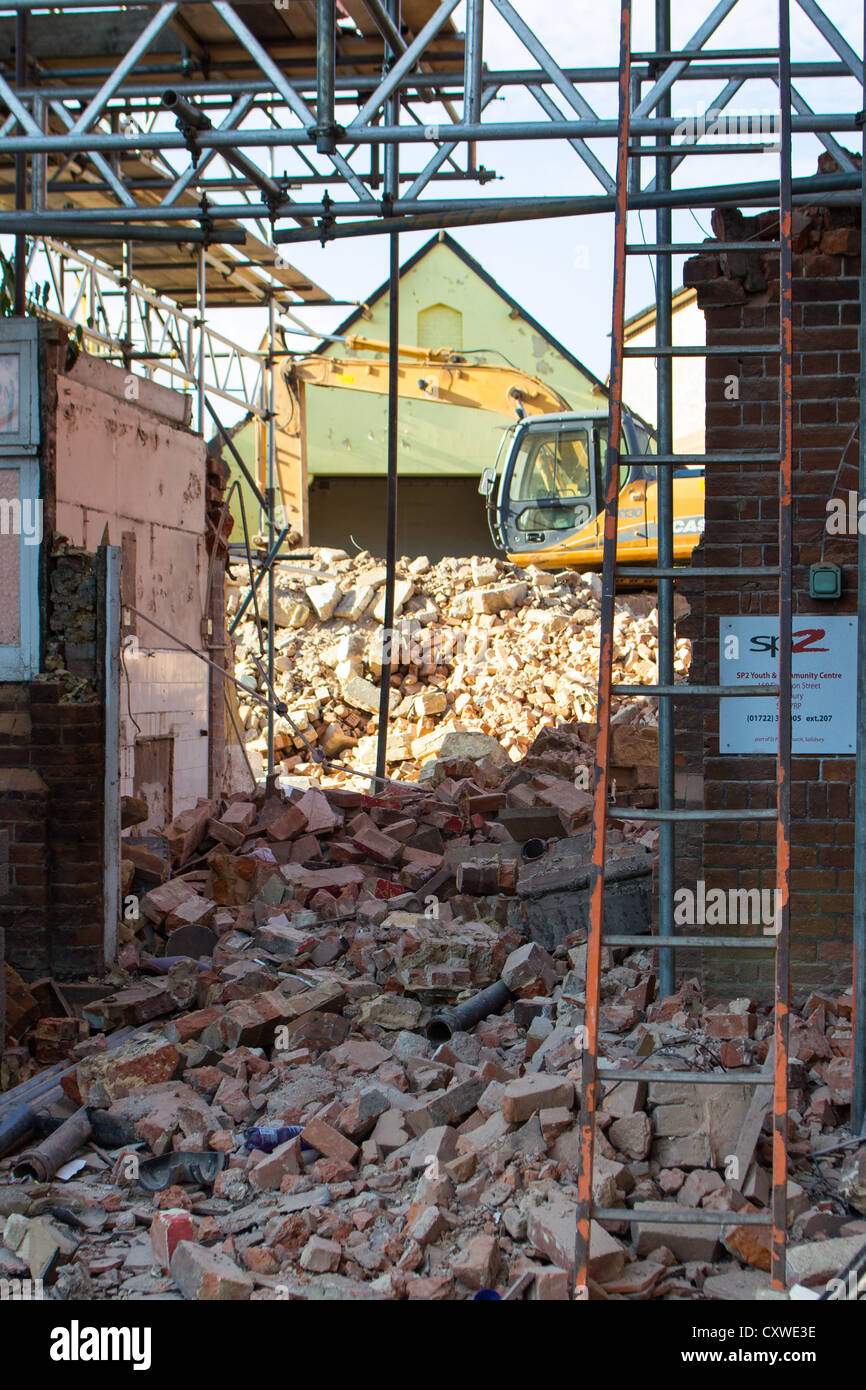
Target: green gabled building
[{"x": 447, "y": 299}]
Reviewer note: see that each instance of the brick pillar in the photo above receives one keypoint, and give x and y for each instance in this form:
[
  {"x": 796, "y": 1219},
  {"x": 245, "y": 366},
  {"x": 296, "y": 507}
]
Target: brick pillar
[
  {"x": 739, "y": 296},
  {"x": 71, "y": 738},
  {"x": 24, "y": 904}
]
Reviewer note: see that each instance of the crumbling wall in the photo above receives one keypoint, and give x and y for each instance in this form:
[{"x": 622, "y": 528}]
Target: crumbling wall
[
  {"x": 117, "y": 466},
  {"x": 52, "y": 744},
  {"x": 127, "y": 465},
  {"x": 739, "y": 296}
]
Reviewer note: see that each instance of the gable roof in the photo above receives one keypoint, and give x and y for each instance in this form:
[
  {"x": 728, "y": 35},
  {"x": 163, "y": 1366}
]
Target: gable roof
[{"x": 445, "y": 239}]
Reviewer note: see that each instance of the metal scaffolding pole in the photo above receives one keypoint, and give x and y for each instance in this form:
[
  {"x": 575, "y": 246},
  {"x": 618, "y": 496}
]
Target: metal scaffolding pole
[
  {"x": 201, "y": 295},
  {"x": 473, "y": 79},
  {"x": 665, "y": 496},
  {"x": 127, "y": 300},
  {"x": 474, "y": 68},
  {"x": 580, "y": 128},
  {"x": 588, "y": 1049},
  {"x": 270, "y": 498},
  {"x": 858, "y": 1099},
  {"x": 782, "y": 1002},
  {"x": 699, "y": 71},
  {"x": 392, "y": 167},
  {"x": 20, "y": 169},
  {"x": 326, "y": 71}
]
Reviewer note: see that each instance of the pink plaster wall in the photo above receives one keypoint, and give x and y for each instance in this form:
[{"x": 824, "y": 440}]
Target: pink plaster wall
[{"x": 123, "y": 466}]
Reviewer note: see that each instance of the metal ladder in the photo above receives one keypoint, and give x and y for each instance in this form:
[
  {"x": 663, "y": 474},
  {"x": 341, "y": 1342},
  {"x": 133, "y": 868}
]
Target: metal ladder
[{"x": 666, "y": 814}]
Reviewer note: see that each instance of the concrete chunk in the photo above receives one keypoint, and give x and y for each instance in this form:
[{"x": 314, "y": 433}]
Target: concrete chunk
[
  {"x": 550, "y": 1228},
  {"x": 533, "y": 1092},
  {"x": 207, "y": 1276}
]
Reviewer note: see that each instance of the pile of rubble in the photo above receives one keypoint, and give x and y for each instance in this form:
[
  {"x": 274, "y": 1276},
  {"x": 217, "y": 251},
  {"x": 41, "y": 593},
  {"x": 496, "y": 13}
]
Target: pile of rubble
[
  {"x": 478, "y": 644},
  {"x": 280, "y": 1096}
]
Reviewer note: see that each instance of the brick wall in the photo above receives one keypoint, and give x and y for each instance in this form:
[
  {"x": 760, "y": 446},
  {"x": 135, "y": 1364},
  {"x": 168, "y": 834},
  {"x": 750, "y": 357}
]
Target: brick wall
[
  {"x": 51, "y": 799},
  {"x": 739, "y": 296},
  {"x": 23, "y": 819},
  {"x": 52, "y": 774}
]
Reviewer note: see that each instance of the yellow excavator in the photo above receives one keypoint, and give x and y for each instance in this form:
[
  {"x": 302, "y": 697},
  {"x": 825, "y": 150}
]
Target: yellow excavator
[{"x": 544, "y": 493}]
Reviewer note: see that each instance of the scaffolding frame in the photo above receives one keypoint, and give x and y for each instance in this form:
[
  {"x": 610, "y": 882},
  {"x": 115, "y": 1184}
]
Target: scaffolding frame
[
  {"x": 335, "y": 124},
  {"x": 667, "y": 814}
]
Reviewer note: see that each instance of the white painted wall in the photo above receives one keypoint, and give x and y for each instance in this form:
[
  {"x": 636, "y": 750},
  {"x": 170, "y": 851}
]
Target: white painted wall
[
  {"x": 168, "y": 694},
  {"x": 639, "y": 376}
]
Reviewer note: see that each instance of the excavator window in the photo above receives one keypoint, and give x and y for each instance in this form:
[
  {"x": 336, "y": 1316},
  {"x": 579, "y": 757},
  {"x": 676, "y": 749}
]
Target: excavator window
[{"x": 554, "y": 470}]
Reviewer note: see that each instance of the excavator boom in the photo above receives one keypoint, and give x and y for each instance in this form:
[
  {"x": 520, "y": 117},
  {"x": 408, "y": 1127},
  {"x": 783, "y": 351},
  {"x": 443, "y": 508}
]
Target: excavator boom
[
  {"x": 422, "y": 376},
  {"x": 544, "y": 509}
]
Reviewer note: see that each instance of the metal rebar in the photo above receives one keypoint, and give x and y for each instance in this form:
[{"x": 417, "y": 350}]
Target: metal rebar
[
  {"x": 232, "y": 448},
  {"x": 264, "y": 566},
  {"x": 280, "y": 707}
]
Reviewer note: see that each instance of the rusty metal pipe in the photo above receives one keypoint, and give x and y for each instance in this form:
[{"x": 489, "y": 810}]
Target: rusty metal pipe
[
  {"x": 16, "y": 1128},
  {"x": 488, "y": 1001},
  {"x": 43, "y": 1161}
]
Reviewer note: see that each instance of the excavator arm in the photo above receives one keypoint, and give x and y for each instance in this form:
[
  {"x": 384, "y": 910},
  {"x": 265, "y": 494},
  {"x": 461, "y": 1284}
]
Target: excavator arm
[
  {"x": 440, "y": 376},
  {"x": 547, "y": 512}
]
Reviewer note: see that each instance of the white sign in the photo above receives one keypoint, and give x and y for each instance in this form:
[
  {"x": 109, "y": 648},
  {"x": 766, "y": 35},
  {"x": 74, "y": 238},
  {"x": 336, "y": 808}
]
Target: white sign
[{"x": 823, "y": 684}]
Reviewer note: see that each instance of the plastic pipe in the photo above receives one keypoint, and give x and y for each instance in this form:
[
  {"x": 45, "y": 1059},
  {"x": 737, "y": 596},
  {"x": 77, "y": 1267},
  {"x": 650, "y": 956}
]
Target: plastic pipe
[{"x": 442, "y": 1026}]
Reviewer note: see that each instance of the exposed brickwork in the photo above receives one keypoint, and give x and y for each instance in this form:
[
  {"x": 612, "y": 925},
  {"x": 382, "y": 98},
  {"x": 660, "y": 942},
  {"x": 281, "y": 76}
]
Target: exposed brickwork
[
  {"x": 739, "y": 295},
  {"x": 24, "y": 908},
  {"x": 52, "y": 752},
  {"x": 51, "y": 778}
]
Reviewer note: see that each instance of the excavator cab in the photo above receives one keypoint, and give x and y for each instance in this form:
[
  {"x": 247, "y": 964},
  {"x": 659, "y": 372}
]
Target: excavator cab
[{"x": 548, "y": 504}]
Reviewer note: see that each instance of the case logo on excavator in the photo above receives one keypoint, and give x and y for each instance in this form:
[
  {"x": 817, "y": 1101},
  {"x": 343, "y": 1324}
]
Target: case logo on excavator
[{"x": 688, "y": 523}]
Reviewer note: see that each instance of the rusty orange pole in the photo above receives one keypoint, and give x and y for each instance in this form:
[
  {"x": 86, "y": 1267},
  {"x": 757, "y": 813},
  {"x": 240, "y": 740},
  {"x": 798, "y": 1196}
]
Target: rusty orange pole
[
  {"x": 589, "y": 1039},
  {"x": 783, "y": 760}
]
